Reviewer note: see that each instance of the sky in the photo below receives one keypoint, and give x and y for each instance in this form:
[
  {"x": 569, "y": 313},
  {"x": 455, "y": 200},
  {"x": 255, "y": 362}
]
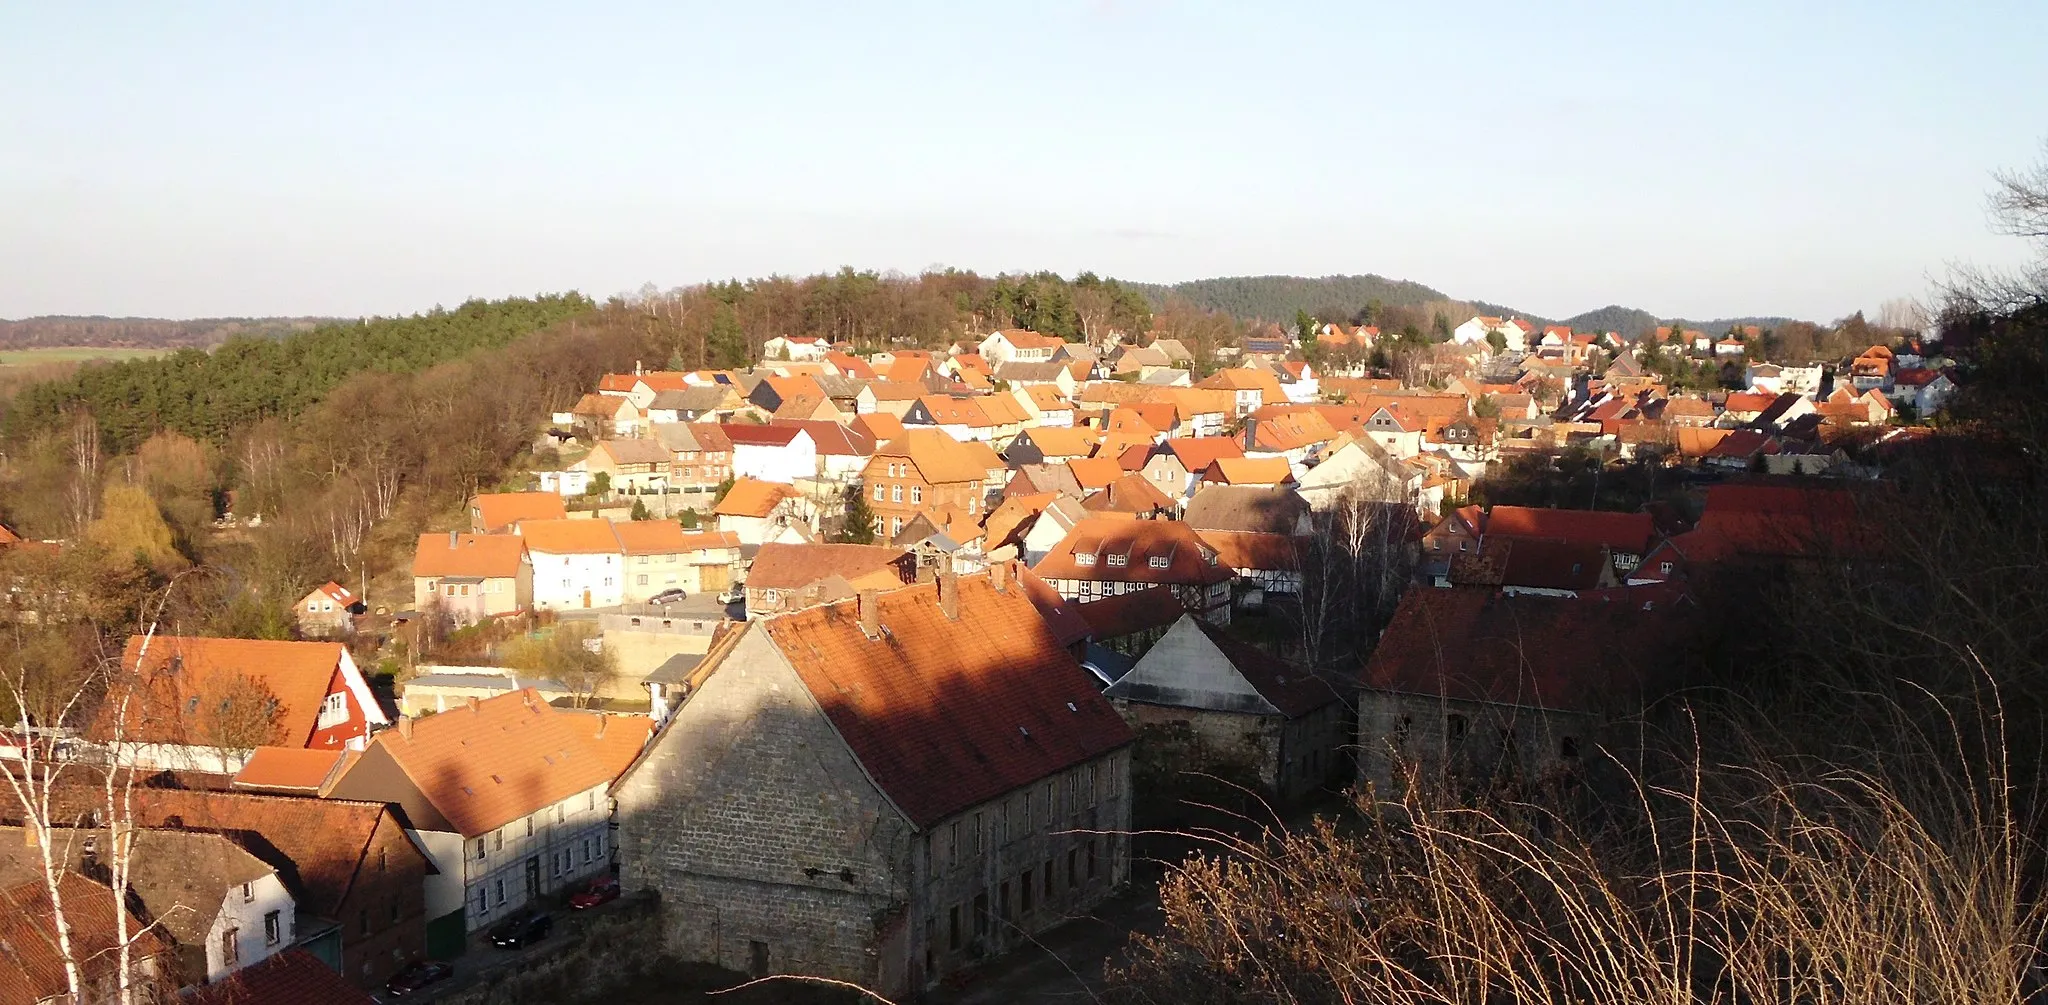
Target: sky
[{"x": 1700, "y": 160}]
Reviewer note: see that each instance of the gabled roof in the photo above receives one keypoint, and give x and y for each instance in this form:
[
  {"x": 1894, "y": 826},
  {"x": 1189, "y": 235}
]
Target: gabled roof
[
  {"x": 652, "y": 537},
  {"x": 485, "y": 765},
  {"x": 570, "y": 537},
  {"x": 834, "y": 439},
  {"x": 751, "y": 497},
  {"x": 32, "y": 970},
  {"x": 1095, "y": 472},
  {"x": 697, "y": 399},
  {"x": 336, "y": 592},
  {"x": 775, "y": 434},
  {"x": 1240, "y": 549},
  {"x": 288, "y": 769},
  {"x": 1196, "y": 666},
  {"x": 793, "y": 566},
  {"x": 317, "y": 846},
  {"x": 684, "y": 436},
  {"x": 1246, "y": 507},
  {"x": 1249, "y": 471},
  {"x": 484, "y": 556},
  {"x": 1242, "y": 379},
  {"x": 1059, "y": 441},
  {"x": 1196, "y": 453},
  {"x": 1134, "y": 543},
  {"x": 1132, "y": 493},
  {"x": 626, "y": 452},
  {"x": 1473, "y": 644},
  {"x": 492, "y": 510},
  {"x": 1027, "y": 339},
  {"x": 879, "y": 426},
  {"x": 1062, "y": 616},
  {"x": 177, "y": 681},
  {"x": 945, "y": 714},
  {"x": 939, "y": 458},
  {"x": 1625, "y": 532}
]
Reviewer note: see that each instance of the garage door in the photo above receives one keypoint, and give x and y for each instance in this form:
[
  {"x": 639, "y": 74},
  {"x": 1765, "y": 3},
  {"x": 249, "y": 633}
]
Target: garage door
[{"x": 713, "y": 577}]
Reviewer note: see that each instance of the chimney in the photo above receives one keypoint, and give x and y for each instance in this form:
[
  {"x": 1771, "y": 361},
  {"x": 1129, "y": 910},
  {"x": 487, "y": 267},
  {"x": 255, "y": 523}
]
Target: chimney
[
  {"x": 405, "y": 726},
  {"x": 949, "y": 594},
  {"x": 473, "y": 707},
  {"x": 868, "y": 604},
  {"x": 453, "y": 537},
  {"x": 999, "y": 576},
  {"x": 601, "y": 720}
]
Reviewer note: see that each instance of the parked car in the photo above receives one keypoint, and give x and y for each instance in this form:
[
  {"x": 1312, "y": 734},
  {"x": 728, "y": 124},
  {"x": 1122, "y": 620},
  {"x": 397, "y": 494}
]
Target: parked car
[
  {"x": 667, "y": 597},
  {"x": 418, "y": 976},
  {"x": 601, "y": 890},
  {"x": 522, "y": 929},
  {"x": 733, "y": 594}
]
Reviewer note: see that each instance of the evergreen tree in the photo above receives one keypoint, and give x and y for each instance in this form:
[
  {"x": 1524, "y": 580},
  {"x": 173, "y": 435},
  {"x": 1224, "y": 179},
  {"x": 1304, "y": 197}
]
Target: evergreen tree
[{"x": 859, "y": 527}]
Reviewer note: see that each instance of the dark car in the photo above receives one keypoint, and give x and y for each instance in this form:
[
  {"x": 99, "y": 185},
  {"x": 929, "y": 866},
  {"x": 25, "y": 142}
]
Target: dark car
[
  {"x": 418, "y": 976},
  {"x": 522, "y": 929},
  {"x": 601, "y": 890},
  {"x": 667, "y": 597}
]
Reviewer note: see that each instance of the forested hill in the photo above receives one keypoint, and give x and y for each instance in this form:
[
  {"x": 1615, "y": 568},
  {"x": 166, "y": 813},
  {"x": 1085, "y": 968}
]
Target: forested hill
[
  {"x": 143, "y": 333},
  {"x": 1632, "y": 321},
  {"x": 1277, "y": 298},
  {"x": 210, "y": 395}
]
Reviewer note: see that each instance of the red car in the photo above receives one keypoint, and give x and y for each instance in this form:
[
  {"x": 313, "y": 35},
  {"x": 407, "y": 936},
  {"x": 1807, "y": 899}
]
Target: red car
[{"x": 600, "y": 890}]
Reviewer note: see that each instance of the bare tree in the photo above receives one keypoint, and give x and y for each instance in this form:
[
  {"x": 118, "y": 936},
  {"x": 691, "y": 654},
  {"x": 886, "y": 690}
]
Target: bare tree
[{"x": 85, "y": 476}]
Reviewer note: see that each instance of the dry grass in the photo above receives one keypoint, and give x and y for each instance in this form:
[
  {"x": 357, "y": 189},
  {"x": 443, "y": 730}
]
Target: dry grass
[{"x": 1769, "y": 881}]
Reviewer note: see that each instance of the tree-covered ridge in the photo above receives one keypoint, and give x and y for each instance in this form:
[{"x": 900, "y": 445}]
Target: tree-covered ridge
[
  {"x": 143, "y": 333},
  {"x": 1278, "y": 298},
  {"x": 1632, "y": 322},
  {"x": 210, "y": 395}
]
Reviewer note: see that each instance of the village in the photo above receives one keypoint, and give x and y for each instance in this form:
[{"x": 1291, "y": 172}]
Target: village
[{"x": 870, "y": 667}]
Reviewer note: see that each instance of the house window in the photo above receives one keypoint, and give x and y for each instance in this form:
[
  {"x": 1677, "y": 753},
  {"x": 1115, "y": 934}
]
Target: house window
[
  {"x": 895, "y": 526},
  {"x": 643, "y": 579},
  {"x": 586, "y": 851},
  {"x": 1083, "y": 558},
  {"x": 1158, "y": 562},
  {"x": 483, "y": 902},
  {"x": 1024, "y": 892},
  {"x": 498, "y": 839},
  {"x": 1091, "y": 858},
  {"x": 1047, "y": 873},
  {"x": 248, "y": 892},
  {"x": 363, "y": 921},
  {"x": 880, "y": 493},
  {"x": 1454, "y": 725},
  {"x": 1568, "y": 747},
  {"x": 896, "y": 493},
  {"x": 1073, "y": 875},
  {"x": 953, "y": 928},
  {"x": 1118, "y": 561},
  {"x": 916, "y": 494},
  {"x": 1666, "y": 567},
  {"x": 479, "y": 848},
  {"x": 498, "y": 891},
  {"x": 231, "y": 947},
  {"x": 273, "y": 928}
]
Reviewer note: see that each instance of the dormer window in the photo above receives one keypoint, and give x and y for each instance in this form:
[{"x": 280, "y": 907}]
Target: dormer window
[
  {"x": 1118, "y": 560},
  {"x": 1157, "y": 562},
  {"x": 1084, "y": 558}
]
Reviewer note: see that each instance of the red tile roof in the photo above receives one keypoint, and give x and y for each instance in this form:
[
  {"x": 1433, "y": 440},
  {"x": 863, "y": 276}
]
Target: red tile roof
[
  {"x": 1062, "y": 616},
  {"x": 292, "y": 977},
  {"x": 753, "y": 497},
  {"x": 292, "y": 769},
  {"x": 1626, "y": 532},
  {"x": 1196, "y": 453},
  {"x": 486, "y": 765},
  {"x": 833, "y": 438},
  {"x": 176, "y": 675},
  {"x": 1473, "y": 644},
  {"x": 317, "y": 846},
  {"x": 495, "y": 510},
  {"x": 1249, "y": 471},
  {"x": 946, "y": 714},
  {"x": 939, "y": 458},
  {"x": 1133, "y": 543},
  {"x": 32, "y": 970},
  {"x": 777, "y": 434},
  {"x": 484, "y": 556},
  {"x": 1240, "y": 549},
  {"x": 570, "y": 537},
  {"x": 1132, "y": 493},
  {"x": 793, "y": 566}
]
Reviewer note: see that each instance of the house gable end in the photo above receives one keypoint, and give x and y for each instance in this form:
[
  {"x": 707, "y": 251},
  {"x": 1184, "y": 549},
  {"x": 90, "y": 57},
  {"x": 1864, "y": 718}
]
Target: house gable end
[{"x": 1184, "y": 669}]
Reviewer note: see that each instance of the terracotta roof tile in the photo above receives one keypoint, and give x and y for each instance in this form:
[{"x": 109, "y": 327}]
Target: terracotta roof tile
[
  {"x": 317, "y": 846},
  {"x": 486, "y": 765},
  {"x": 32, "y": 970},
  {"x": 1196, "y": 453},
  {"x": 1131, "y": 613},
  {"x": 793, "y": 566},
  {"x": 292, "y": 977},
  {"x": 1133, "y": 544},
  {"x": 945, "y": 714},
  {"x": 570, "y": 537},
  {"x": 1626, "y": 532},
  {"x": 495, "y": 510},
  {"x": 1249, "y": 471},
  {"x": 292, "y": 769},
  {"x": 1238, "y": 549},
  {"x": 753, "y": 497},
  {"x": 485, "y": 556},
  {"x": 1132, "y": 493},
  {"x": 177, "y": 673},
  {"x": 1474, "y": 644}
]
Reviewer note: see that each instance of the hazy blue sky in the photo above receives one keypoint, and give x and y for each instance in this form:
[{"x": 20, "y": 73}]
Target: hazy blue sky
[{"x": 1698, "y": 159}]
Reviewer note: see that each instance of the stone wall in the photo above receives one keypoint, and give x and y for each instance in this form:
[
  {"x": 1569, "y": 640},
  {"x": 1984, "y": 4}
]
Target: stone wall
[
  {"x": 755, "y": 822},
  {"x": 1466, "y": 738}
]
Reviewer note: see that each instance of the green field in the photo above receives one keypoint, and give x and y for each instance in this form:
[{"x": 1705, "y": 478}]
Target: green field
[{"x": 71, "y": 354}]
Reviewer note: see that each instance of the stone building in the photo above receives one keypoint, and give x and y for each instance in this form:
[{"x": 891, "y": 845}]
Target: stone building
[
  {"x": 882, "y": 790},
  {"x": 1281, "y": 723},
  {"x": 1480, "y": 685}
]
